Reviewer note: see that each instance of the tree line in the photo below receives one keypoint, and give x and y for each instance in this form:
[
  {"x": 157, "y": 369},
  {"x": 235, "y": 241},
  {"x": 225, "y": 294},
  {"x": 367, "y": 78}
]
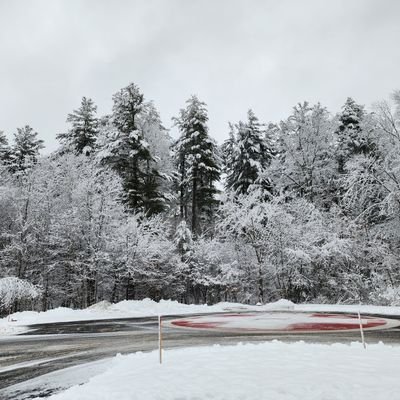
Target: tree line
[{"x": 306, "y": 209}]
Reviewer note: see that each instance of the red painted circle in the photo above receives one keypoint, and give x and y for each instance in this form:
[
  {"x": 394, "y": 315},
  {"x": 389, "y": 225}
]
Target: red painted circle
[{"x": 282, "y": 322}]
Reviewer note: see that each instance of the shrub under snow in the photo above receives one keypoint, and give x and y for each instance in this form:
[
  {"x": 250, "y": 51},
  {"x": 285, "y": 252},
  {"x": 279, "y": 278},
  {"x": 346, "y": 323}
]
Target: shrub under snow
[{"x": 14, "y": 289}]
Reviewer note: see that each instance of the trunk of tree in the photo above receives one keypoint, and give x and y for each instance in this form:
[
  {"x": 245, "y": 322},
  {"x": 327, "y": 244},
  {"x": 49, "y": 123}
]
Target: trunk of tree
[
  {"x": 114, "y": 292},
  {"x": 260, "y": 285},
  {"x": 194, "y": 203},
  {"x": 45, "y": 294},
  {"x": 182, "y": 203}
]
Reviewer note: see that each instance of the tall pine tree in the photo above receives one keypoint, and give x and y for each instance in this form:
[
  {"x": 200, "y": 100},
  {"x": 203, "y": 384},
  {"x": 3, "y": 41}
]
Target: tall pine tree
[
  {"x": 129, "y": 154},
  {"x": 197, "y": 160},
  {"x": 4, "y": 148},
  {"x": 25, "y": 151},
  {"x": 247, "y": 153},
  {"x": 352, "y": 138},
  {"x": 81, "y": 138}
]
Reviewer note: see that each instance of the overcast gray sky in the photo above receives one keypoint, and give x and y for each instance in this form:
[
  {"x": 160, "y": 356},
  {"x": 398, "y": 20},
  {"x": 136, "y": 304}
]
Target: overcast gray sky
[{"x": 235, "y": 54}]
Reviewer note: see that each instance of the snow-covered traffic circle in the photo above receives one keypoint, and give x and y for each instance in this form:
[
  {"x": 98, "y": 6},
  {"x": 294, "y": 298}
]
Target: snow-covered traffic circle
[{"x": 275, "y": 322}]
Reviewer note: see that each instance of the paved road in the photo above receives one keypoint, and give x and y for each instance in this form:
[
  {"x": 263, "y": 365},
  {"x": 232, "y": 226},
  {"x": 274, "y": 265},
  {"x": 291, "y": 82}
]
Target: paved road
[{"x": 51, "y": 347}]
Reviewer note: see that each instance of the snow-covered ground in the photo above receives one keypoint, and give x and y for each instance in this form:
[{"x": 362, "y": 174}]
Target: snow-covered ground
[
  {"x": 272, "y": 370},
  {"x": 16, "y": 323}
]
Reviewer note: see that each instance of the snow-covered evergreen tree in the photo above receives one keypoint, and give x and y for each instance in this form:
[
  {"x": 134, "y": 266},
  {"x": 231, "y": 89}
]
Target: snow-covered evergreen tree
[
  {"x": 25, "y": 150},
  {"x": 4, "y": 148},
  {"x": 198, "y": 165},
  {"x": 81, "y": 137},
  {"x": 228, "y": 148},
  {"x": 128, "y": 153},
  {"x": 248, "y": 152},
  {"x": 353, "y": 138}
]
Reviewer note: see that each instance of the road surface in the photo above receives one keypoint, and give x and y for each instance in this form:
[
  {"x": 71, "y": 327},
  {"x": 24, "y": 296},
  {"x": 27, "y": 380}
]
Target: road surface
[{"x": 59, "y": 346}]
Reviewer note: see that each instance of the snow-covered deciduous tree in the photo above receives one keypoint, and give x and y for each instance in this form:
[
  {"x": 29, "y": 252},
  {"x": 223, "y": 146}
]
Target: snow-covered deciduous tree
[
  {"x": 20, "y": 253},
  {"x": 160, "y": 168},
  {"x": 87, "y": 213},
  {"x": 361, "y": 193},
  {"x": 146, "y": 257},
  {"x": 183, "y": 239},
  {"x": 294, "y": 250},
  {"x": 245, "y": 219},
  {"x": 158, "y": 138},
  {"x": 212, "y": 273},
  {"x": 305, "y": 163}
]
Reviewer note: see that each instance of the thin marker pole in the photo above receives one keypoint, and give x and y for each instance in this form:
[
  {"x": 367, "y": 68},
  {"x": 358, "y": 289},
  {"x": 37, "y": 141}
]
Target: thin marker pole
[
  {"x": 160, "y": 338},
  {"x": 361, "y": 329}
]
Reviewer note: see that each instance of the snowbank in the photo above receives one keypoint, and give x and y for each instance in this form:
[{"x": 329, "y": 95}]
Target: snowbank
[
  {"x": 123, "y": 309},
  {"x": 272, "y": 370},
  {"x": 147, "y": 307},
  {"x": 350, "y": 308}
]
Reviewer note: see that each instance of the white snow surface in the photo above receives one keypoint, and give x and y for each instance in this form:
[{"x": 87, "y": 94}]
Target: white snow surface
[
  {"x": 272, "y": 370},
  {"x": 16, "y": 323}
]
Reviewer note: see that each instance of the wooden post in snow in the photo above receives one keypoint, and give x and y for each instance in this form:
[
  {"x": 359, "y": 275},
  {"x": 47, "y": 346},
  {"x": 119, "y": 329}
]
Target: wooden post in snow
[
  {"x": 361, "y": 329},
  {"x": 160, "y": 338}
]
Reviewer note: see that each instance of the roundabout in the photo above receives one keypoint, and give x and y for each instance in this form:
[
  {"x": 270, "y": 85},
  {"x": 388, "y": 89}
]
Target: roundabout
[{"x": 283, "y": 322}]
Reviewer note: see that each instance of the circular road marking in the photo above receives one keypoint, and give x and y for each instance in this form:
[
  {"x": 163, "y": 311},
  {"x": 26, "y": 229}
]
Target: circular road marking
[{"x": 271, "y": 322}]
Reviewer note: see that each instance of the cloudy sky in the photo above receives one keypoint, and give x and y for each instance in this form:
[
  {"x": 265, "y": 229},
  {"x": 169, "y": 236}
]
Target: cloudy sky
[{"x": 235, "y": 54}]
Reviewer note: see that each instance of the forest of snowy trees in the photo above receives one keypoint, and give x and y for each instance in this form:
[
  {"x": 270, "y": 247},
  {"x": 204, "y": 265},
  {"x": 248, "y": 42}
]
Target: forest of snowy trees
[{"x": 306, "y": 209}]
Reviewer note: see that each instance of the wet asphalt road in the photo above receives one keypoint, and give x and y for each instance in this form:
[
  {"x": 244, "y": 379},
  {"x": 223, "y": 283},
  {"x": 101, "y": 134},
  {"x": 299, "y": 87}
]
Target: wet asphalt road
[{"x": 50, "y": 347}]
